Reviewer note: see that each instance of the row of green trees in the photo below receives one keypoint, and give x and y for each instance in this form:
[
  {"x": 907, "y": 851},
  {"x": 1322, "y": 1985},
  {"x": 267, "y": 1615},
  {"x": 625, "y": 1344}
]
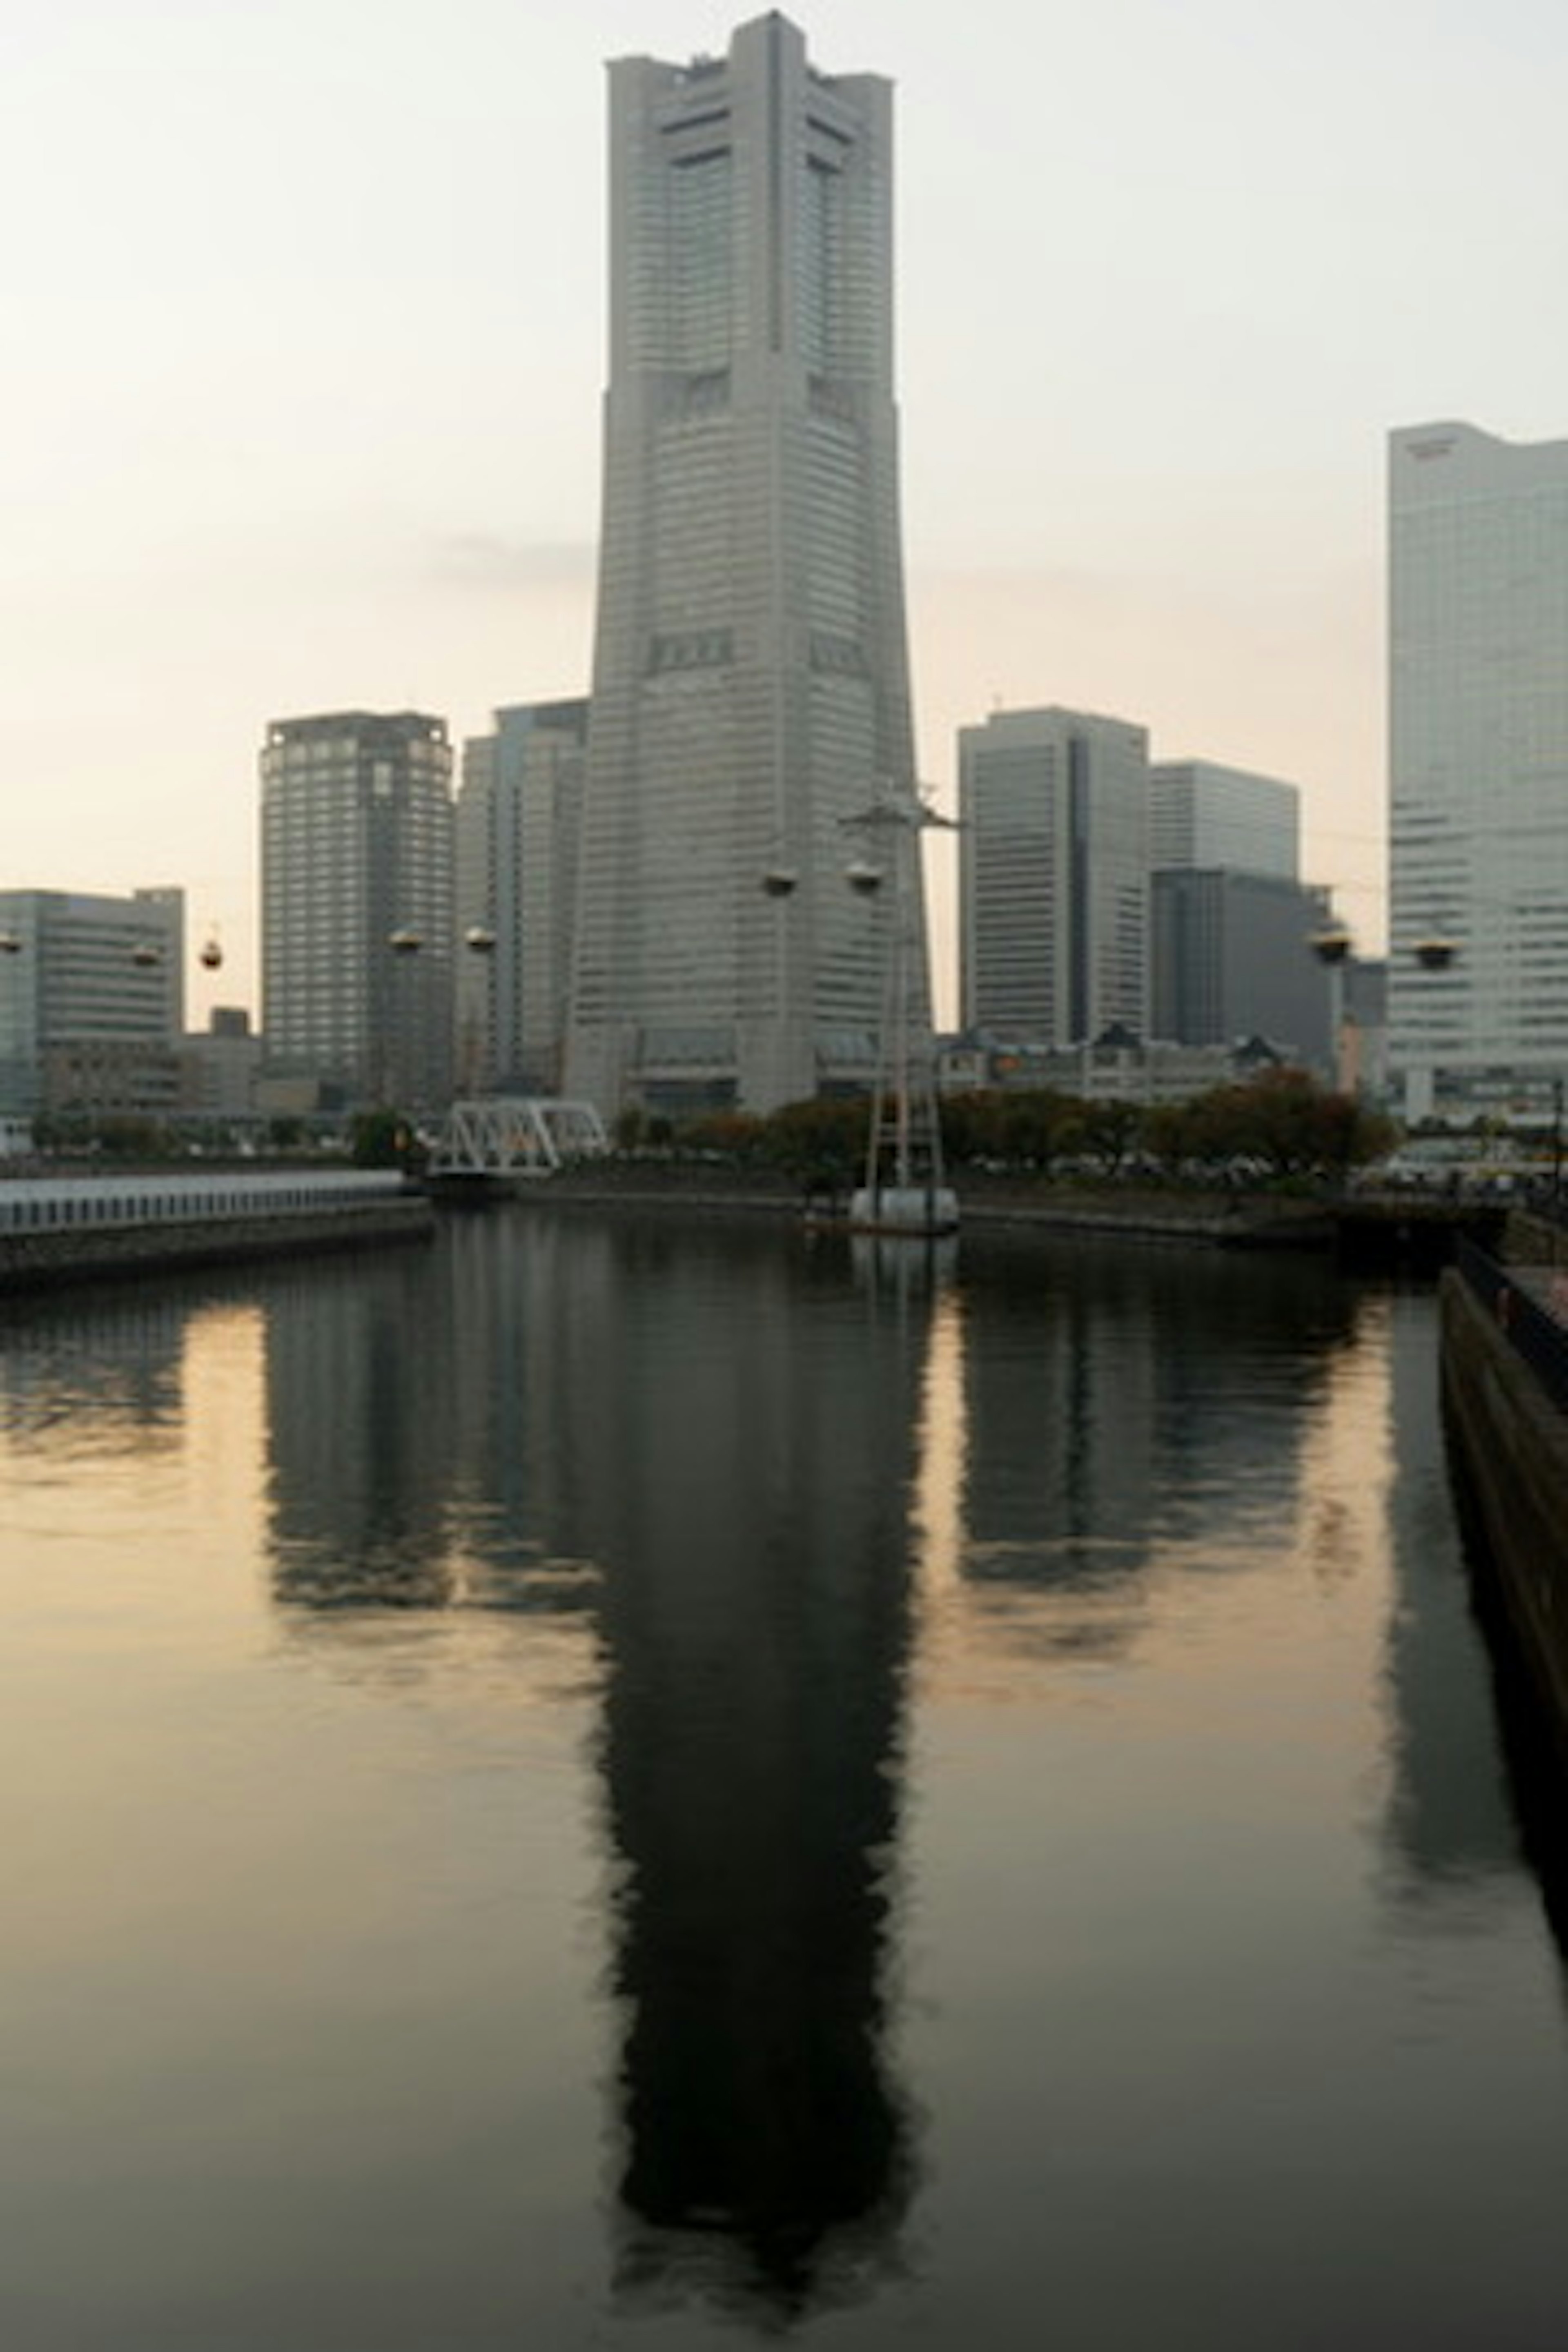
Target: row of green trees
[
  {"x": 1281, "y": 1124},
  {"x": 142, "y": 1136}
]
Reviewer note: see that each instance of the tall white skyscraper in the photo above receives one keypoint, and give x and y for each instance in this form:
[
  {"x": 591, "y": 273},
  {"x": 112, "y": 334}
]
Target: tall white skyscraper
[
  {"x": 1478, "y": 769},
  {"x": 751, "y": 681},
  {"x": 356, "y": 906},
  {"x": 1054, "y": 875}
]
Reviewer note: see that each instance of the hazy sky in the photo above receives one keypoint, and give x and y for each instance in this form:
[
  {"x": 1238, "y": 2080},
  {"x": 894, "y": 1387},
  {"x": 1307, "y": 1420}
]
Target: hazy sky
[{"x": 304, "y": 350}]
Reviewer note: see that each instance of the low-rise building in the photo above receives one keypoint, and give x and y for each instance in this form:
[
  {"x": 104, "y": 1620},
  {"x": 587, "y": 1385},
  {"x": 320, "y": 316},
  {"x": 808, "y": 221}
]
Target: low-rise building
[
  {"x": 1116, "y": 1067},
  {"x": 219, "y": 1067}
]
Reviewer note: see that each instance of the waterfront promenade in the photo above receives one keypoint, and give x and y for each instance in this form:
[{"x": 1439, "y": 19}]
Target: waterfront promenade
[
  {"x": 101, "y": 1223},
  {"x": 68, "y": 1226},
  {"x": 1370, "y": 1232}
]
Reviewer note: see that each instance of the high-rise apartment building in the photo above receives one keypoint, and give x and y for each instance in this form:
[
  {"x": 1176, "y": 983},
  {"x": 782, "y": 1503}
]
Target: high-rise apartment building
[
  {"x": 1054, "y": 875},
  {"x": 751, "y": 682},
  {"x": 1478, "y": 769},
  {"x": 356, "y": 906},
  {"x": 1202, "y": 813},
  {"x": 519, "y": 815},
  {"x": 92, "y": 1002}
]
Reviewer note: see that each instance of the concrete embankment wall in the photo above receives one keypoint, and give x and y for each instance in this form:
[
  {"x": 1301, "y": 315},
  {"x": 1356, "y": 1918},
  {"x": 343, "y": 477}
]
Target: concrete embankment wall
[
  {"x": 1224, "y": 1220},
  {"x": 41, "y": 1261},
  {"x": 1513, "y": 1444}
]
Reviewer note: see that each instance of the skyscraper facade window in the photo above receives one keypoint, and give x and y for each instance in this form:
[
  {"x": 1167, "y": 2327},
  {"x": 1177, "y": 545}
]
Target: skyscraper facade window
[
  {"x": 1203, "y": 814},
  {"x": 750, "y": 680},
  {"x": 519, "y": 814},
  {"x": 1054, "y": 875},
  {"x": 357, "y": 906},
  {"x": 92, "y": 1002},
  {"x": 1232, "y": 961},
  {"x": 1232, "y": 925},
  {"x": 1479, "y": 770}
]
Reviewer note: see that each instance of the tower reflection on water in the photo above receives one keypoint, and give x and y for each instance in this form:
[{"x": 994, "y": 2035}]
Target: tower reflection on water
[
  {"x": 747, "y": 1475},
  {"x": 756, "y": 1628},
  {"x": 713, "y": 1452}
]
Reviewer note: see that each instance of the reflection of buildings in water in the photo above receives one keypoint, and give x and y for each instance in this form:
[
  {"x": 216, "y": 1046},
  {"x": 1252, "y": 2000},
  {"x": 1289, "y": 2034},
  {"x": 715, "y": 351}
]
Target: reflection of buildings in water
[
  {"x": 1114, "y": 1401},
  {"x": 426, "y": 1415},
  {"x": 706, "y": 1439},
  {"x": 128, "y": 1409},
  {"x": 753, "y": 1443},
  {"x": 528, "y": 1317},
  {"x": 436, "y": 1419},
  {"x": 118, "y": 1358},
  {"x": 362, "y": 1422}
]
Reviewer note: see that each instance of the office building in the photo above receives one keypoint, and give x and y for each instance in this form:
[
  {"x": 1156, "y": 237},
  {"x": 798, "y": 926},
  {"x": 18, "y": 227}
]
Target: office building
[
  {"x": 91, "y": 1003},
  {"x": 1202, "y": 813},
  {"x": 1233, "y": 924},
  {"x": 751, "y": 683},
  {"x": 1479, "y": 770},
  {"x": 1232, "y": 959},
  {"x": 519, "y": 815},
  {"x": 356, "y": 907},
  {"x": 1054, "y": 875}
]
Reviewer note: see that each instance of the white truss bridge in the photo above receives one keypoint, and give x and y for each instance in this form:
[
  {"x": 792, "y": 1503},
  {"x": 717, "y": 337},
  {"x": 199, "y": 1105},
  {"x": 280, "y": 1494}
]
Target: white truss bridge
[{"x": 505, "y": 1136}]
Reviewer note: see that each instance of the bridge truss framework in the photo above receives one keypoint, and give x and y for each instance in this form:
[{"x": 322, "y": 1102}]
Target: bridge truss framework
[{"x": 516, "y": 1135}]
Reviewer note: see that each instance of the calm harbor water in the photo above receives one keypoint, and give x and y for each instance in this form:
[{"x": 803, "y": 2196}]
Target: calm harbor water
[{"x": 610, "y": 1781}]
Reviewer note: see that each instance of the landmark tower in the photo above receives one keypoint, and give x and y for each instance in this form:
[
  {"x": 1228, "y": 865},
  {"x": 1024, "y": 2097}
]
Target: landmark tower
[{"x": 751, "y": 681}]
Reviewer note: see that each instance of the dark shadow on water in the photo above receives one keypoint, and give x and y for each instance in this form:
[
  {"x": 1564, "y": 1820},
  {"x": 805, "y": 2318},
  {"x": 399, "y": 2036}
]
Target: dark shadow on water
[{"x": 1534, "y": 1745}]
